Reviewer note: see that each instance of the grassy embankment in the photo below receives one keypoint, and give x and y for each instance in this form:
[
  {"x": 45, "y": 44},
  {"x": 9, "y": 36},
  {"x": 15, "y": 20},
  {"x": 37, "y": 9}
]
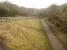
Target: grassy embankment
[
  {"x": 59, "y": 34},
  {"x": 24, "y": 34}
]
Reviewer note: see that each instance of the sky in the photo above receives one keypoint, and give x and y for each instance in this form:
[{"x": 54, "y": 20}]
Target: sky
[{"x": 36, "y": 3}]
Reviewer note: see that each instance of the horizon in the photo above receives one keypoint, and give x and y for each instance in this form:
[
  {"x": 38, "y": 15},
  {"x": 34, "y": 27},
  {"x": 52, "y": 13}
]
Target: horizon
[{"x": 36, "y": 3}]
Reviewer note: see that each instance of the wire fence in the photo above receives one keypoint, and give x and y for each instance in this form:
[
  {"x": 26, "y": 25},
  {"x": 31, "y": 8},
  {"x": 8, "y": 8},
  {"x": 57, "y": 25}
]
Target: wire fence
[
  {"x": 9, "y": 19},
  {"x": 13, "y": 19}
]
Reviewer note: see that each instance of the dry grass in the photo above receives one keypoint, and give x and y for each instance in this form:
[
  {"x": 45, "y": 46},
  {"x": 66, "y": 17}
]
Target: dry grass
[{"x": 24, "y": 34}]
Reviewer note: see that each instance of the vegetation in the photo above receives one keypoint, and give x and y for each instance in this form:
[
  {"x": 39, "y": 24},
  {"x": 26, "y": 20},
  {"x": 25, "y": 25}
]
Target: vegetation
[
  {"x": 57, "y": 15},
  {"x": 31, "y": 35},
  {"x": 23, "y": 34},
  {"x": 9, "y": 9}
]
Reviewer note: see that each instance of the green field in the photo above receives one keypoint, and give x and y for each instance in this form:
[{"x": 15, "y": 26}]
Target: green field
[{"x": 23, "y": 34}]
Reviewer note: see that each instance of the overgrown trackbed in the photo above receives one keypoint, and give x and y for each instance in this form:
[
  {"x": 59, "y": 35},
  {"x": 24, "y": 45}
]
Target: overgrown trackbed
[{"x": 53, "y": 39}]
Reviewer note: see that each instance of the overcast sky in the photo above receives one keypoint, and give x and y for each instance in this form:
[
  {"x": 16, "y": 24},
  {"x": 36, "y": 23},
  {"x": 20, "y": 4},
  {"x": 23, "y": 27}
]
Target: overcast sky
[{"x": 36, "y": 3}]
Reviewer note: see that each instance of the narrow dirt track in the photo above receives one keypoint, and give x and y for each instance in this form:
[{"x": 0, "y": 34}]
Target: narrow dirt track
[{"x": 53, "y": 39}]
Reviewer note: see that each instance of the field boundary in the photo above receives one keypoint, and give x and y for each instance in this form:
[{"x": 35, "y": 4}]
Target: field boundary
[{"x": 53, "y": 39}]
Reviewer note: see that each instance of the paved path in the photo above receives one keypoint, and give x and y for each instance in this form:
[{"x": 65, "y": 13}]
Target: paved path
[{"x": 53, "y": 39}]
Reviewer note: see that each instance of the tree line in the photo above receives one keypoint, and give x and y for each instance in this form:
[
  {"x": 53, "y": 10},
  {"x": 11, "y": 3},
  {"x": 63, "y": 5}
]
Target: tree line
[
  {"x": 55, "y": 13},
  {"x": 8, "y": 9}
]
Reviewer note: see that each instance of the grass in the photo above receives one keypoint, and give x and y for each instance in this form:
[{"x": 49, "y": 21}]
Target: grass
[{"x": 24, "y": 34}]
